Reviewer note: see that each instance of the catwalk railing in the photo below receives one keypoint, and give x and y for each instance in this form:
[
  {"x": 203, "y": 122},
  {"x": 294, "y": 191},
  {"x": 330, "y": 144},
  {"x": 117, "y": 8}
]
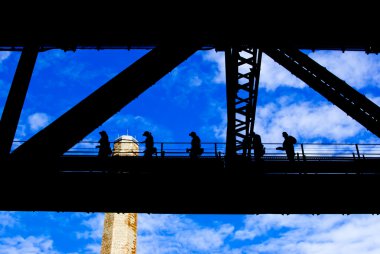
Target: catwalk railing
[{"x": 303, "y": 151}]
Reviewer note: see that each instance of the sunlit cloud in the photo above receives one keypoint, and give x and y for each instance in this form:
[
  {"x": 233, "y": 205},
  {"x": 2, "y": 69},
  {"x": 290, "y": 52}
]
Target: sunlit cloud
[
  {"x": 178, "y": 234},
  {"x": 95, "y": 227},
  {"x": 273, "y": 76},
  {"x": 219, "y": 130},
  {"x": 305, "y": 120},
  {"x": 356, "y": 68},
  {"x": 219, "y": 73},
  {"x": 311, "y": 234},
  {"x": 93, "y": 248},
  {"x": 196, "y": 81},
  {"x": 4, "y": 55},
  {"x": 31, "y": 244},
  {"x": 7, "y": 220},
  {"x": 135, "y": 125},
  {"x": 38, "y": 121}
]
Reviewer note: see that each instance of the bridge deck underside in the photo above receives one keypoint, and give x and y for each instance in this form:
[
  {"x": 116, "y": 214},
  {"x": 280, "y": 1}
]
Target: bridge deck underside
[
  {"x": 182, "y": 186},
  {"x": 144, "y": 29}
]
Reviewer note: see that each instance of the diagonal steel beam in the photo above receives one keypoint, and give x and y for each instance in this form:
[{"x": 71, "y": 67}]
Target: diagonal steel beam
[
  {"x": 86, "y": 116},
  {"x": 355, "y": 104},
  {"x": 16, "y": 98}
]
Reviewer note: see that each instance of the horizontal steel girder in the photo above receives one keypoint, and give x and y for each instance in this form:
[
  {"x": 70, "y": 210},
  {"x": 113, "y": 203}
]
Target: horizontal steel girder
[
  {"x": 106, "y": 25},
  {"x": 185, "y": 186}
]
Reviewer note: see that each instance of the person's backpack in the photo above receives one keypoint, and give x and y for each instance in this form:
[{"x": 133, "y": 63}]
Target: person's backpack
[{"x": 292, "y": 140}]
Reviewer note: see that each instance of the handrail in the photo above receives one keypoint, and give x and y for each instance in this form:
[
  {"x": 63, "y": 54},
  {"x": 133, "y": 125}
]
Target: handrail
[{"x": 303, "y": 151}]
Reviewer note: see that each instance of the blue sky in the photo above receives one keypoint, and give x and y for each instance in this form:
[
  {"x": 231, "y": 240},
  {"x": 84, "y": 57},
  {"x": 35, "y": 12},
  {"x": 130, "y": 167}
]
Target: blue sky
[{"x": 192, "y": 98}]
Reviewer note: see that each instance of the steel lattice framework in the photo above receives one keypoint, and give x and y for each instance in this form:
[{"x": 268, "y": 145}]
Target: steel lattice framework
[{"x": 243, "y": 73}]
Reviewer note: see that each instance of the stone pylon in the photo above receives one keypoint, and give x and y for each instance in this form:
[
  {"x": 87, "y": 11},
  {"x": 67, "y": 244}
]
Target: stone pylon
[
  {"x": 119, "y": 234},
  {"x": 120, "y": 229}
]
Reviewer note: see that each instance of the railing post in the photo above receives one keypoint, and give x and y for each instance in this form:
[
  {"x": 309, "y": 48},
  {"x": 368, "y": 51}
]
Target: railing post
[
  {"x": 303, "y": 153},
  {"x": 216, "y": 150},
  {"x": 357, "y": 150},
  {"x": 162, "y": 150}
]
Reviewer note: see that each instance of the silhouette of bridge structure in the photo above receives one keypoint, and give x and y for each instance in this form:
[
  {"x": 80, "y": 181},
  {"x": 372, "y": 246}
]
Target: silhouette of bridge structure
[{"x": 38, "y": 176}]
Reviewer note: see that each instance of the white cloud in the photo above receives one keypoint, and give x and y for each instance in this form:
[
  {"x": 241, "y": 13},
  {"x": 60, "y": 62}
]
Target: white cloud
[
  {"x": 219, "y": 130},
  {"x": 196, "y": 81},
  {"x": 93, "y": 248},
  {"x": 21, "y": 132},
  {"x": 160, "y": 233},
  {"x": 29, "y": 245},
  {"x": 220, "y": 71},
  {"x": 273, "y": 76},
  {"x": 304, "y": 120},
  {"x": 205, "y": 239},
  {"x": 4, "y": 55},
  {"x": 7, "y": 220},
  {"x": 95, "y": 225},
  {"x": 309, "y": 234},
  {"x": 356, "y": 68},
  {"x": 38, "y": 121},
  {"x": 136, "y": 124}
]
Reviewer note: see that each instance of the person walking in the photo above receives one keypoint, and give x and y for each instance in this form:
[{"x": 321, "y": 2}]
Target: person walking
[
  {"x": 195, "y": 151},
  {"x": 257, "y": 146},
  {"x": 288, "y": 146},
  {"x": 104, "y": 145},
  {"x": 149, "y": 145}
]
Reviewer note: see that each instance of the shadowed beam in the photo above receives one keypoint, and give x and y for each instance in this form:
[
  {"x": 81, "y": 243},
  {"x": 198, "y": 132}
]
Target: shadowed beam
[
  {"x": 16, "y": 98},
  {"x": 86, "y": 116}
]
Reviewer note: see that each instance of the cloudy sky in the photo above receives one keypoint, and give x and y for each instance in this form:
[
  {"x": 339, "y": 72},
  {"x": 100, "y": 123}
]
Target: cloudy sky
[{"x": 192, "y": 98}]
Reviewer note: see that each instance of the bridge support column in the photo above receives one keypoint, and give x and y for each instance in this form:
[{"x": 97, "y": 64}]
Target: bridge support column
[{"x": 242, "y": 79}]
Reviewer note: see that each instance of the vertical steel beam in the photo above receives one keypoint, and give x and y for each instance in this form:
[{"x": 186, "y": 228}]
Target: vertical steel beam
[
  {"x": 16, "y": 98},
  {"x": 242, "y": 75}
]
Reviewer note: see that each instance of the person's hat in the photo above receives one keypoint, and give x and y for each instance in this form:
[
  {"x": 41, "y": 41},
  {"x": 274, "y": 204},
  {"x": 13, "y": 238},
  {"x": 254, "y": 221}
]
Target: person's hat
[
  {"x": 102, "y": 132},
  {"x": 192, "y": 133}
]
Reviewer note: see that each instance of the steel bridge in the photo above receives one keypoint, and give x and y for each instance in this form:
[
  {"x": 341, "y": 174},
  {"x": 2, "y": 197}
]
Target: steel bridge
[{"x": 39, "y": 176}]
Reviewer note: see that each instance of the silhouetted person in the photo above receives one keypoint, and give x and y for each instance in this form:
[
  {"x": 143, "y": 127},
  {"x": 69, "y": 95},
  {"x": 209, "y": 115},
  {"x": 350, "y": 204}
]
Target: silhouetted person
[
  {"x": 195, "y": 150},
  {"x": 104, "y": 145},
  {"x": 246, "y": 145},
  {"x": 149, "y": 145},
  {"x": 288, "y": 146},
  {"x": 257, "y": 146}
]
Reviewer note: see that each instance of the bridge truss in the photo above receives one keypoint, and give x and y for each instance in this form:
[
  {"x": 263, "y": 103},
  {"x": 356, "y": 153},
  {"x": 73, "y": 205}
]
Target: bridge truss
[{"x": 243, "y": 60}]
